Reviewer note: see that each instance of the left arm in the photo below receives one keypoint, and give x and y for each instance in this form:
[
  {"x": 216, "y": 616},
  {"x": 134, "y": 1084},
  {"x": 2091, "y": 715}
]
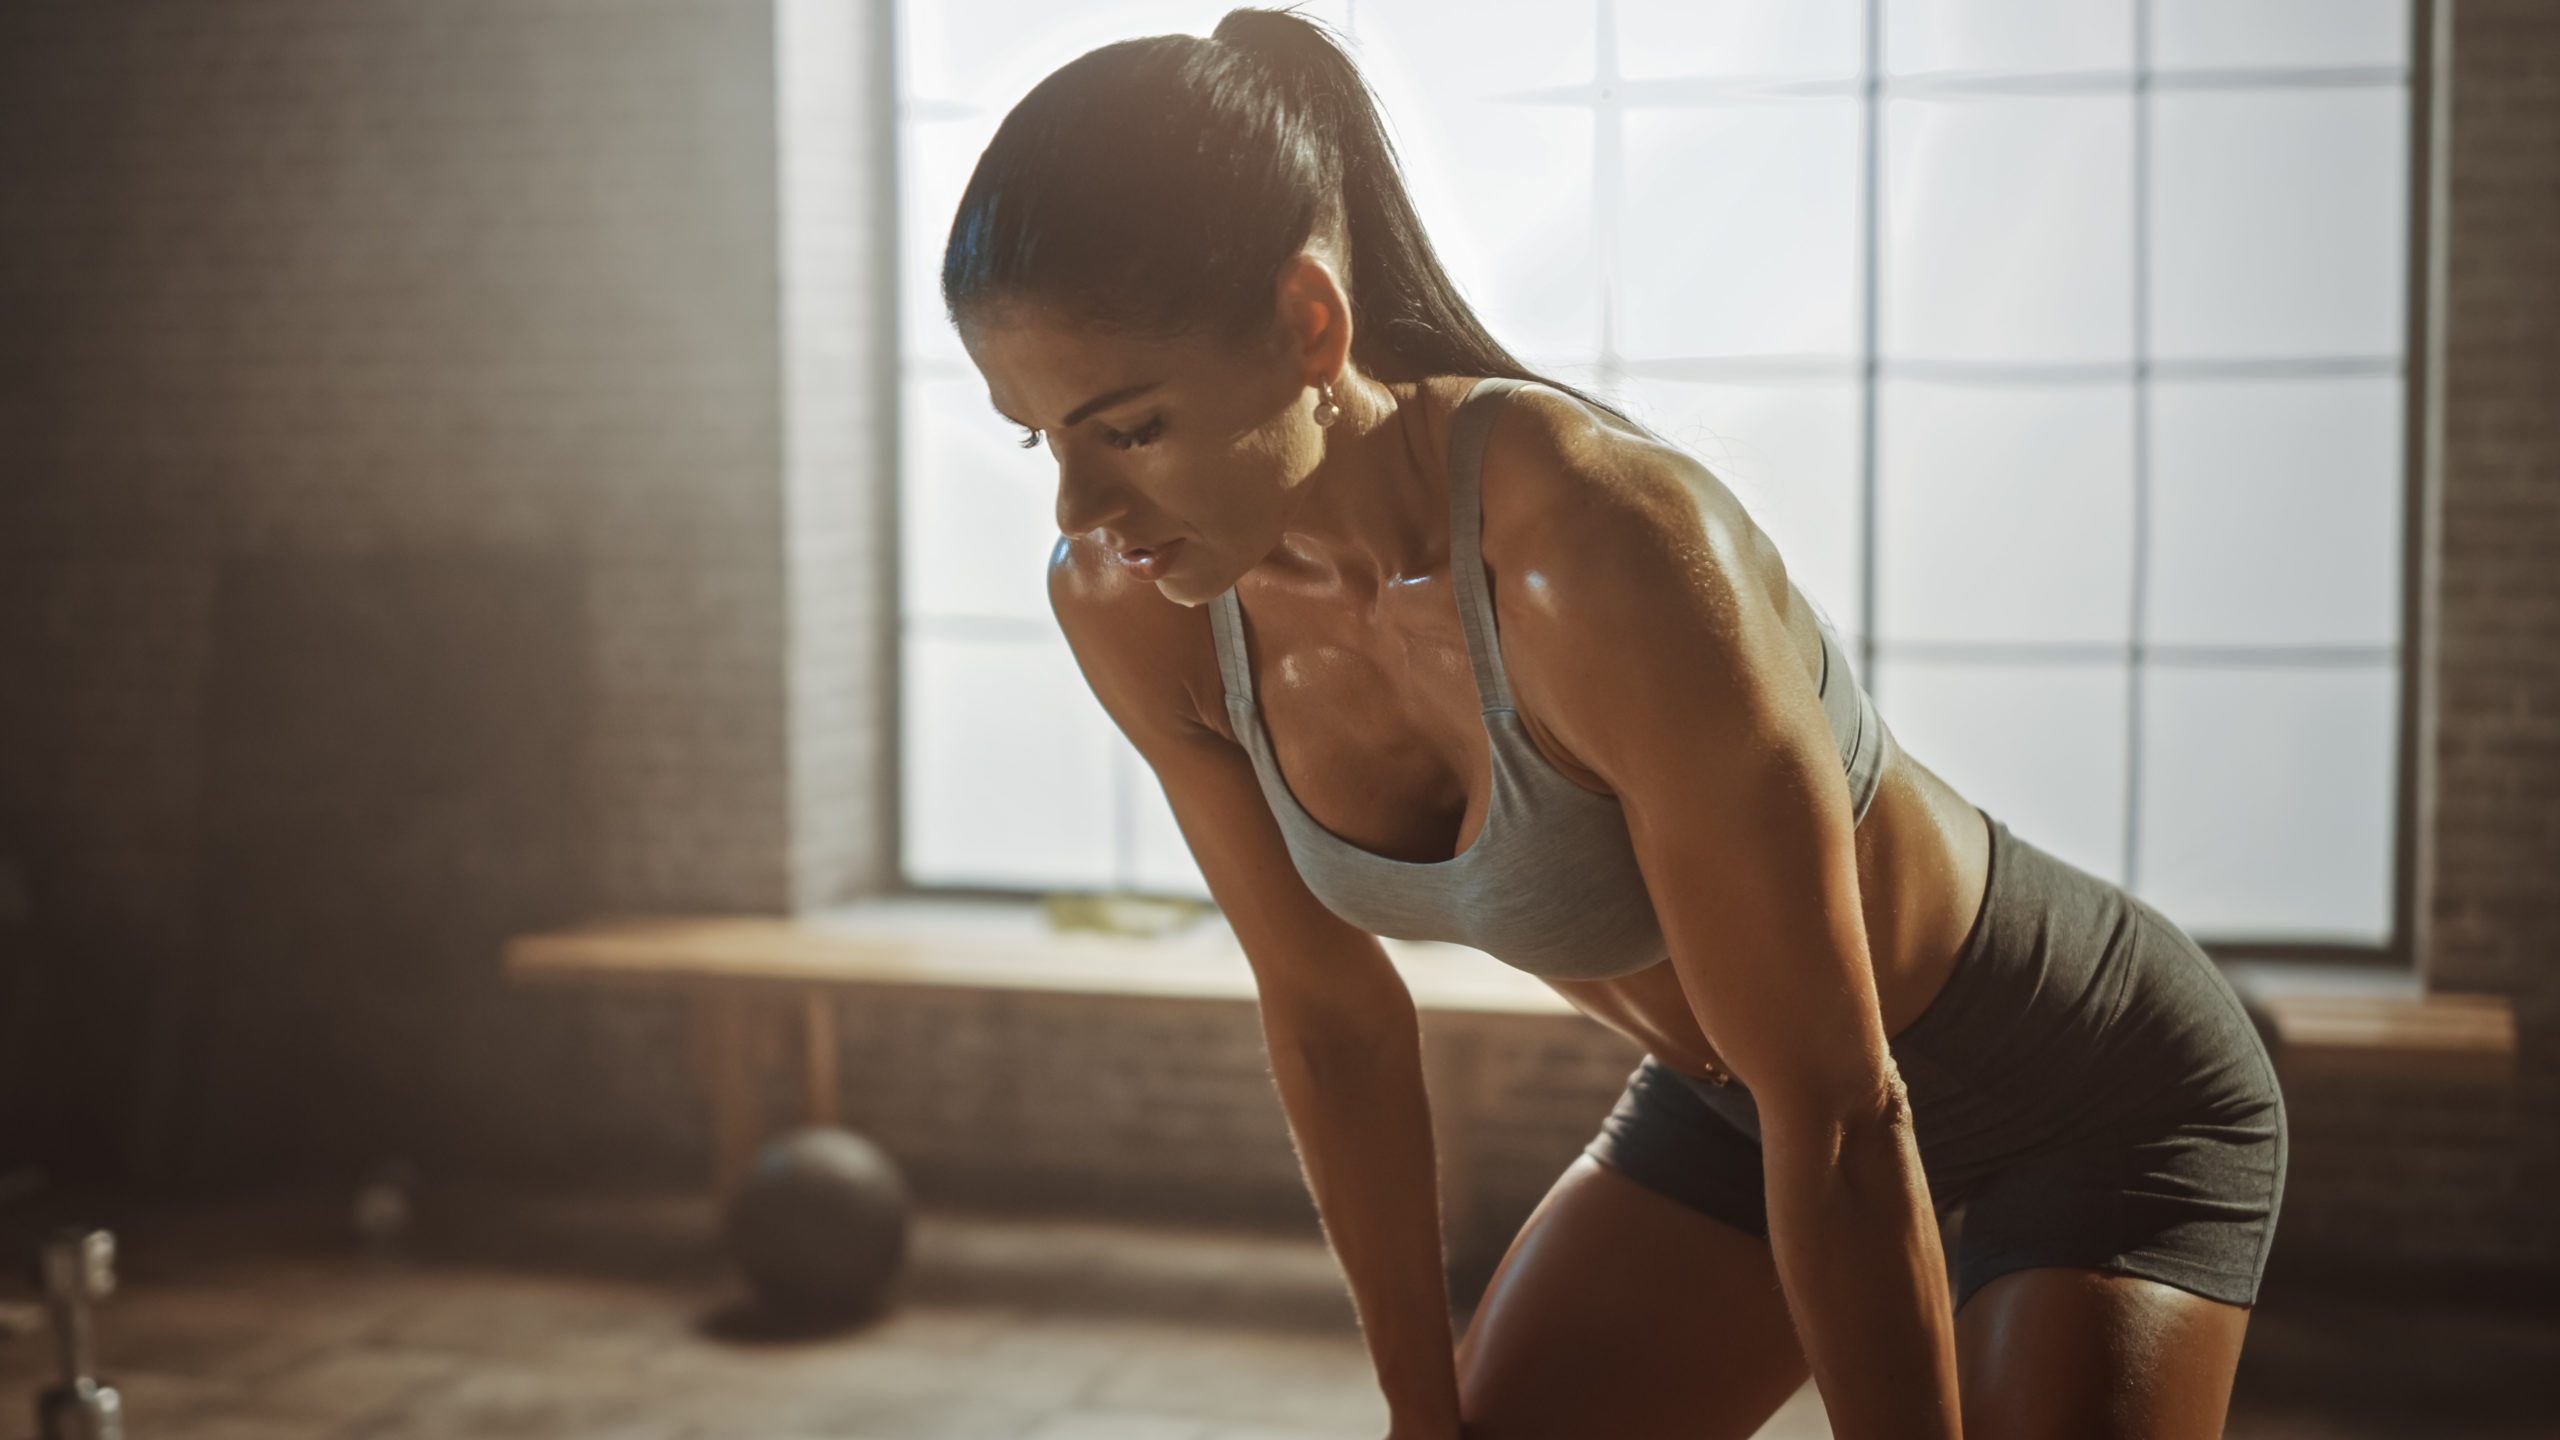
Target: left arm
[{"x": 1672, "y": 676}]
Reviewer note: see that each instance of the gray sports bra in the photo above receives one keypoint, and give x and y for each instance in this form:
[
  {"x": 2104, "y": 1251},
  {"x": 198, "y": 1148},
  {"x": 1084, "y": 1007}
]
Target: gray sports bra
[{"x": 1550, "y": 885}]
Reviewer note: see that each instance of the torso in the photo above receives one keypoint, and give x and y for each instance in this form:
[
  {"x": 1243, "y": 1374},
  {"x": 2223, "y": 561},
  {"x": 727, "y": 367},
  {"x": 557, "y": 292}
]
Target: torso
[{"x": 1413, "y": 779}]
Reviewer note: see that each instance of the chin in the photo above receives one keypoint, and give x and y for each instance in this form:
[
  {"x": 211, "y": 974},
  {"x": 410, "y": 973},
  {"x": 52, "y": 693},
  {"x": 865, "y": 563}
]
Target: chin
[
  {"x": 1195, "y": 584},
  {"x": 1182, "y": 591}
]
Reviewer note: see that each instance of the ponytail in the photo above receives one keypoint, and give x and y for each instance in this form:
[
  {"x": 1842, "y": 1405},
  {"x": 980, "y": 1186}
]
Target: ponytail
[{"x": 1158, "y": 186}]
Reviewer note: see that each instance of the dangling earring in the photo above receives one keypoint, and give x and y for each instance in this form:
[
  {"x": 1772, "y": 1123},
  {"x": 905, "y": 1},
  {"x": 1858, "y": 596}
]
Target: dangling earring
[{"x": 1326, "y": 411}]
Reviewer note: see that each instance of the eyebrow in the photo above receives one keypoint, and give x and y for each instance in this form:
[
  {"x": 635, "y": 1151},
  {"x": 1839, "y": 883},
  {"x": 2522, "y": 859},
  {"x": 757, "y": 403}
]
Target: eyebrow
[{"x": 1098, "y": 402}]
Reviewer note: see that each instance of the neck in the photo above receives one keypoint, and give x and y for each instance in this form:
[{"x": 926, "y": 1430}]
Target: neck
[{"x": 1374, "y": 513}]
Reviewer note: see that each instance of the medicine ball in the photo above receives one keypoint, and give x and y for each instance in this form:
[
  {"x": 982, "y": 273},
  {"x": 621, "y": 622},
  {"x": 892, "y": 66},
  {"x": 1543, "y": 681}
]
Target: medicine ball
[{"x": 819, "y": 1226}]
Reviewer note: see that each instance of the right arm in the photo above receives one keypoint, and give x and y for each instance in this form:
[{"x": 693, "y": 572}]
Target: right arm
[{"x": 1337, "y": 1020}]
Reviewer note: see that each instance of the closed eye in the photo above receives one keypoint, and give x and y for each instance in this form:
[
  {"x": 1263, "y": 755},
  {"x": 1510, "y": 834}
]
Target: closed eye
[{"x": 1139, "y": 438}]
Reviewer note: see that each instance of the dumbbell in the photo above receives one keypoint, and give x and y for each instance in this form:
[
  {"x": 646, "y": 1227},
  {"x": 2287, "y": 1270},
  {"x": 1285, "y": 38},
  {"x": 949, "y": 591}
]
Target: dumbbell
[{"x": 77, "y": 1268}]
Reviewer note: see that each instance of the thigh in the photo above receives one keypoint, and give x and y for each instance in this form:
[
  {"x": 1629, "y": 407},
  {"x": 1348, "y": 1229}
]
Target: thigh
[
  {"x": 2064, "y": 1353},
  {"x": 1620, "y": 1311}
]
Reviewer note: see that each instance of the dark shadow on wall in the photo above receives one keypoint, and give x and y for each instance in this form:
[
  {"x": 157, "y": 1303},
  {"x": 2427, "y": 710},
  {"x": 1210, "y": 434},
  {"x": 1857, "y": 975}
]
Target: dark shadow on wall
[{"x": 395, "y": 780}]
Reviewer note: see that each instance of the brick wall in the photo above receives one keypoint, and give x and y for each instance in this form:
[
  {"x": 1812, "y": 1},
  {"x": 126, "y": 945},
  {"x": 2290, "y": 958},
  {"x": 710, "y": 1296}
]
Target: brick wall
[
  {"x": 1167, "y": 1107},
  {"x": 2496, "y": 908},
  {"x": 456, "y": 321}
]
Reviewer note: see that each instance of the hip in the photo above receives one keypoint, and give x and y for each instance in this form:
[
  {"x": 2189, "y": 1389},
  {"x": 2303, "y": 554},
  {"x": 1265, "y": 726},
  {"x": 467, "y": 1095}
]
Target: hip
[{"x": 2075, "y": 1013}]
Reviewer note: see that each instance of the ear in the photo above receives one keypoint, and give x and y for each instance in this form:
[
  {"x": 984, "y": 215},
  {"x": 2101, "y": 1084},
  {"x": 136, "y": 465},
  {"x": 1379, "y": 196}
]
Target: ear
[{"x": 1315, "y": 317}]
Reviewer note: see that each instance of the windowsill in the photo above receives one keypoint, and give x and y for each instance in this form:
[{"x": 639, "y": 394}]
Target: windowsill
[
  {"x": 973, "y": 943},
  {"x": 1440, "y": 976},
  {"x": 2274, "y": 978},
  {"x": 2361, "y": 1022}
]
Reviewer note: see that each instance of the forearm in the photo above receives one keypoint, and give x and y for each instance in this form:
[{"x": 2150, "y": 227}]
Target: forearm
[
  {"x": 1857, "y": 1251},
  {"x": 1362, "y": 1124}
]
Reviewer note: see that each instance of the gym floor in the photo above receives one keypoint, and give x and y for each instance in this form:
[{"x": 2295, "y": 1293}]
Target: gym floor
[{"x": 584, "y": 1318}]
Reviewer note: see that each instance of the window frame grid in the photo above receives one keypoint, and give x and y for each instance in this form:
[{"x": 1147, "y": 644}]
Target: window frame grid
[{"x": 1610, "y": 95}]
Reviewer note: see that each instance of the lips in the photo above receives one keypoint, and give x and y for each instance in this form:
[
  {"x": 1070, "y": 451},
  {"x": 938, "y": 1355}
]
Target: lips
[{"x": 1148, "y": 562}]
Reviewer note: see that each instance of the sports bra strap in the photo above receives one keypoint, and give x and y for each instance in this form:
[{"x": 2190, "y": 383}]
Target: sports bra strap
[
  {"x": 1467, "y": 431},
  {"x": 1226, "y": 626}
]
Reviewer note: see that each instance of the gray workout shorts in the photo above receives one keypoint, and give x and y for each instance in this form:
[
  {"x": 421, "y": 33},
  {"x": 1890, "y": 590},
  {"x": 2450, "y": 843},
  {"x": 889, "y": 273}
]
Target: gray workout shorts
[{"x": 2085, "y": 1086}]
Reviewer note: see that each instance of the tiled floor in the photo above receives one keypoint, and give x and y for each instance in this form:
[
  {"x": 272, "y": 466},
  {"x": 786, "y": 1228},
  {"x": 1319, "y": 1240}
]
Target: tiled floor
[{"x": 585, "y": 1320}]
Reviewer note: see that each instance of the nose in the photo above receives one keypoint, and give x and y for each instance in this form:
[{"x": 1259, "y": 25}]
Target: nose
[{"x": 1087, "y": 500}]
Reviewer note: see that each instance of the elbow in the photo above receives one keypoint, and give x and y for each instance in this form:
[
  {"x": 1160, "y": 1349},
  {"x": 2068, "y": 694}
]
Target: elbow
[
  {"x": 1853, "y": 1130},
  {"x": 1882, "y": 1109}
]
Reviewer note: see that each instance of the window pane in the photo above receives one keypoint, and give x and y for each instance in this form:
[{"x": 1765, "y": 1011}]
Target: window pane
[
  {"x": 2007, "y": 35},
  {"x": 1160, "y": 860},
  {"x": 988, "y": 53},
  {"x": 1007, "y": 777},
  {"x": 977, "y": 513},
  {"x": 2267, "y": 798},
  {"x": 2279, "y": 32},
  {"x": 2276, "y": 512},
  {"x": 942, "y": 56},
  {"x": 2040, "y": 745},
  {"x": 1756, "y": 38},
  {"x": 2278, "y": 226},
  {"x": 1529, "y": 270},
  {"x": 1790, "y": 453},
  {"x": 1436, "y": 52},
  {"x": 2005, "y": 512},
  {"x": 2008, "y": 229},
  {"x": 1740, "y": 230}
]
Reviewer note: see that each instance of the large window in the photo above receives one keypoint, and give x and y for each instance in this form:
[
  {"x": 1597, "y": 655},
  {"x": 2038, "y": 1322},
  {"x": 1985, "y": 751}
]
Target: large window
[{"x": 2059, "y": 347}]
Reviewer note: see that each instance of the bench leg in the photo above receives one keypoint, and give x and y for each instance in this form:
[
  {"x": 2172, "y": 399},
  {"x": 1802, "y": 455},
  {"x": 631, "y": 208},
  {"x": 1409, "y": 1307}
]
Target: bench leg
[
  {"x": 724, "y": 1050},
  {"x": 818, "y": 1042},
  {"x": 732, "y": 1066}
]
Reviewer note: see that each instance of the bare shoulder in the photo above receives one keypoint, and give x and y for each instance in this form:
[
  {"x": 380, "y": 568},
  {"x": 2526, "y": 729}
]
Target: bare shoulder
[
  {"x": 1152, "y": 662},
  {"x": 1609, "y": 546},
  {"x": 1569, "y": 487}
]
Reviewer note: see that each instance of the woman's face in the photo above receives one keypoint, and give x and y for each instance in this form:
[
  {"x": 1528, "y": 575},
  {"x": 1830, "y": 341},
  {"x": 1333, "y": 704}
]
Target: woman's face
[{"x": 1156, "y": 441}]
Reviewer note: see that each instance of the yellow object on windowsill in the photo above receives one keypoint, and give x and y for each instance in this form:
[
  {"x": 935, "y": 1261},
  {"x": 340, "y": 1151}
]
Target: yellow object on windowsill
[{"x": 1137, "y": 916}]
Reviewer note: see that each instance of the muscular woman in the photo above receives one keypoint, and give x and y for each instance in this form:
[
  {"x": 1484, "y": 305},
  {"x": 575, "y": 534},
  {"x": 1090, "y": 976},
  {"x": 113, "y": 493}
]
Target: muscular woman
[{"x": 1421, "y": 644}]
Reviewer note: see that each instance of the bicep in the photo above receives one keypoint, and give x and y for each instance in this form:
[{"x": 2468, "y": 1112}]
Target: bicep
[{"x": 1756, "y": 880}]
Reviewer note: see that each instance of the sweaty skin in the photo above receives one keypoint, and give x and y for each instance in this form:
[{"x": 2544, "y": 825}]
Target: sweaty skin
[{"x": 1372, "y": 712}]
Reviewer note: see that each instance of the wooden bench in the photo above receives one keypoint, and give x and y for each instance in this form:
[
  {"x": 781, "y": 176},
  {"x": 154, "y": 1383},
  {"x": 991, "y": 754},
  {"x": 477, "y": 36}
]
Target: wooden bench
[{"x": 739, "y": 976}]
